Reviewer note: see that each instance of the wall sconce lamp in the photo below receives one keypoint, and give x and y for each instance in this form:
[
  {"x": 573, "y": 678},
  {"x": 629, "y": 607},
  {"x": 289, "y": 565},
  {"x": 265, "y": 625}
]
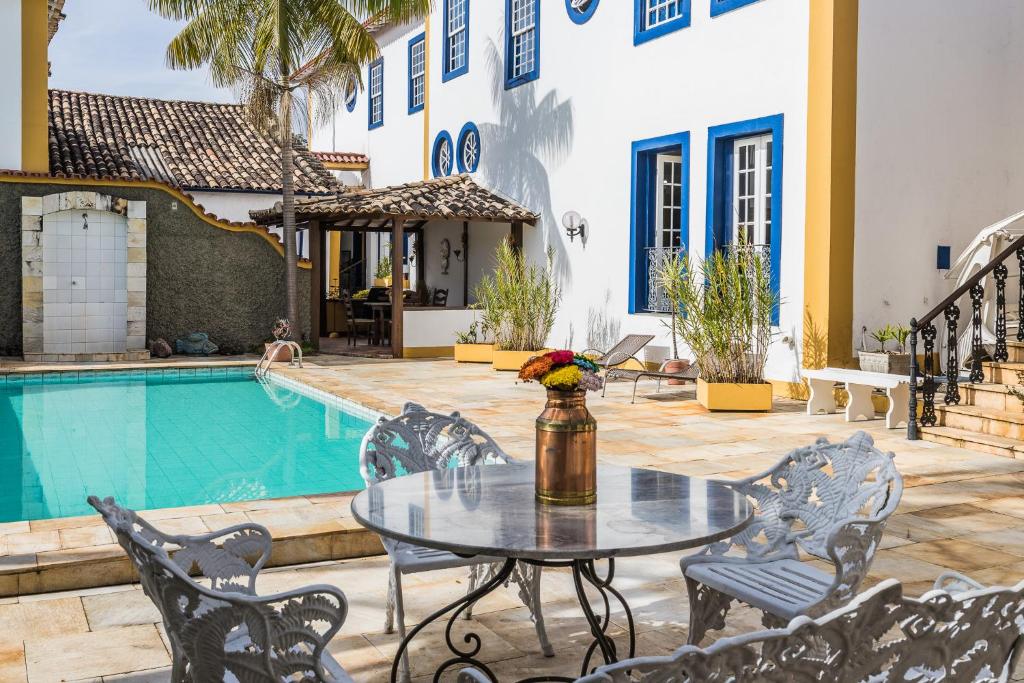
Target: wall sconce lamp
[
  {"x": 574, "y": 225},
  {"x": 459, "y": 256}
]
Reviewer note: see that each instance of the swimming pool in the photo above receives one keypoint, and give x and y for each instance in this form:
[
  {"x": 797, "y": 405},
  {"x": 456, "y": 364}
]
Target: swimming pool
[{"x": 168, "y": 438}]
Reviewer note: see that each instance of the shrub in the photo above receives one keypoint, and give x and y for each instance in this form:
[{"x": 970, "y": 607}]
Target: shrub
[
  {"x": 518, "y": 302},
  {"x": 725, "y": 306}
]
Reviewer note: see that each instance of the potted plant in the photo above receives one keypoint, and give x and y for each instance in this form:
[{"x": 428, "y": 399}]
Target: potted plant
[
  {"x": 671, "y": 278},
  {"x": 382, "y": 276},
  {"x": 470, "y": 347},
  {"x": 727, "y": 302},
  {"x": 282, "y": 331},
  {"x": 519, "y": 303},
  {"x": 566, "y": 432},
  {"x": 892, "y": 362}
]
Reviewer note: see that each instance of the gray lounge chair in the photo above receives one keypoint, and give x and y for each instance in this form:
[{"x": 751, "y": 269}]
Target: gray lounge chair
[
  {"x": 689, "y": 374},
  {"x": 628, "y": 347}
]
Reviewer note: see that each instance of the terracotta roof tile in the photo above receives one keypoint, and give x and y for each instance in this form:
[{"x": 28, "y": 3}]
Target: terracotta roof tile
[
  {"x": 456, "y": 197},
  {"x": 191, "y": 145},
  {"x": 341, "y": 157},
  {"x": 54, "y": 15}
]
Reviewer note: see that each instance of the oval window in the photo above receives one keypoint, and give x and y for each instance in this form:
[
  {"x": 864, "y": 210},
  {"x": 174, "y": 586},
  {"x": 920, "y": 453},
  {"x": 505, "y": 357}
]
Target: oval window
[
  {"x": 351, "y": 91},
  {"x": 580, "y": 11},
  {"x": 469, "y": 148},
  {"x": 443, "y": 155}
]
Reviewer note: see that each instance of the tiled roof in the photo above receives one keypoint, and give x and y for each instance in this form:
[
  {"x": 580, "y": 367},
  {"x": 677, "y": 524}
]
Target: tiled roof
[
  {"x": 341, "y": 157},
  {"x": 456, "y": 197},
  {"x": 54, "y": 14},
  {"x": 190, "y": 145}
]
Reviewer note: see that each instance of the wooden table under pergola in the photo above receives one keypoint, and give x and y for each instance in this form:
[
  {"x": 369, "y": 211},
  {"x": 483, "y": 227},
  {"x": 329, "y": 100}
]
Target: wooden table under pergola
[{"x": 398, "y": 209}]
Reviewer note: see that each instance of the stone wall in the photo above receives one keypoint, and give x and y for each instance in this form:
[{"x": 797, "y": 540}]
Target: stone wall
[{"x": 199, "y": 277}]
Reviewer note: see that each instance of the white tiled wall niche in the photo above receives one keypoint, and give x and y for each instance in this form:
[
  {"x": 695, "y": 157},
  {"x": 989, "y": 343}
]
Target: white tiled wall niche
[
  {"x": 85, "y": 288},
  {"x": 83, "y": 277}
]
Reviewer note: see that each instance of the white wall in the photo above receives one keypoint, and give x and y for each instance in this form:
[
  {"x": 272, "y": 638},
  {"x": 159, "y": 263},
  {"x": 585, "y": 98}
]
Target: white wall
[
  {"x": 10, "y": 84},
  {"x": 234, "y": 206},
  {"x": 939, "y": 146},
  {"x": 563, "y": 142}
]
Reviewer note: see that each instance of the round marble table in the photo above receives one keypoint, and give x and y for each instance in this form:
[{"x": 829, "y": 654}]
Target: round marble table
[{"x": 491, "y": 511}]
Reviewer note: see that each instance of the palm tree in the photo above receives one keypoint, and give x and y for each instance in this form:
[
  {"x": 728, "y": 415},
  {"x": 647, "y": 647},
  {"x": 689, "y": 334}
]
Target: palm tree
[{"x": 266, "y": 49}]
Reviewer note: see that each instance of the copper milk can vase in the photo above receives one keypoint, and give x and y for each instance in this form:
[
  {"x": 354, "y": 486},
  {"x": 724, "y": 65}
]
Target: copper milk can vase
[{"x": 566, "y": 456}]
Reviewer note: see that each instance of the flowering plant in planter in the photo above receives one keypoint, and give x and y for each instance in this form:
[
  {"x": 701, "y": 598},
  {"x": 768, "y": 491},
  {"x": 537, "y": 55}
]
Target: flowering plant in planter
[
  {"x": 282, "y": 329},
  {"x": 562, "y": 371}
]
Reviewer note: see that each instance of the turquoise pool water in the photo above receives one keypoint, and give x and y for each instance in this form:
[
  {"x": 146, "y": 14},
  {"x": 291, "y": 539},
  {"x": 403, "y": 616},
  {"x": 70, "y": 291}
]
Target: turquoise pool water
[{"x": 156, "y": 439}]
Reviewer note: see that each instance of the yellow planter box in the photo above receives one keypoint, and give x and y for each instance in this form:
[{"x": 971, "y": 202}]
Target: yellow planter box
[
  {"x": 474, "y": 353},
  {"x": 731, "y": 396},
  {"x": 512, "y": 360}
]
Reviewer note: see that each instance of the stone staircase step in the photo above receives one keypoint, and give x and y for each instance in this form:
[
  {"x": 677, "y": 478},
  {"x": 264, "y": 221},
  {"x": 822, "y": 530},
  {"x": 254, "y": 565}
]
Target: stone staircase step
[
  {"x": 1002, "y": 373},
  {"x": 986, "y": 443},
  {"x": 993, "y": 396},
  {"x": 1016, "y": 351},
  {"x": 1008, "y": 424}
]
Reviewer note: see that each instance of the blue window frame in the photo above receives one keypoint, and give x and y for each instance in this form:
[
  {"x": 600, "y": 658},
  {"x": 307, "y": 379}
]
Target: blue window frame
[
  {"x": 721, "y": 211},
  {"x": 659, "y": 210},
  {"x": 655, "y": 18},
  {"x": 468, "y": 149},
  {"x": 417, "y": 72},
  {"x": 580, "y": 11},
  {"x": 723, "y": 6},
  {"x": 375, "y": 102},
  {"x": 456, "y": 39},
  {"x": 522, "y": 42},
  {"x": 442, "y": 158}
]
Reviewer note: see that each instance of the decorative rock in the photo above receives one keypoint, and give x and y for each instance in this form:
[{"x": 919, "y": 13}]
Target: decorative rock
[
  {"x": 160, "y": 348},
  {"x": 197, "y": 343}
]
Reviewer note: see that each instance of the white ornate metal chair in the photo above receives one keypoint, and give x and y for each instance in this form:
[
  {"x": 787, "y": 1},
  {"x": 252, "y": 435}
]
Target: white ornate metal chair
[
  {"x": 223, "y": 630},
  {"x": 830, "y": 501},
  {"x": 969, "y": 633},
  {"x": 420, "y": 441}
]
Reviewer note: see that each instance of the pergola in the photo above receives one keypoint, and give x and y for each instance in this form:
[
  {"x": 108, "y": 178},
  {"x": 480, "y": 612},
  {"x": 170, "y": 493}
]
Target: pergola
[{"x": 397, "y": 209}]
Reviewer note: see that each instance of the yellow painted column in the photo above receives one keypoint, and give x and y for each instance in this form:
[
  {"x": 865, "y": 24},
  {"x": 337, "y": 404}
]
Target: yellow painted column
[
  {"x": 334, "y": 244},
  {"x": 34, "y": 96},
  {"x": 831, "y": 164},
  {"x": 426, "y": 98}
]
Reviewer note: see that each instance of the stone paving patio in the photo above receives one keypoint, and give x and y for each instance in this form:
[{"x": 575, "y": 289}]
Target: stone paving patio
[{"x": 961, "y": 510}]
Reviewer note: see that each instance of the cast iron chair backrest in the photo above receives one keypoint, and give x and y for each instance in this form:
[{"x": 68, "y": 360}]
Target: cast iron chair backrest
[
  {"x": 881, "y": 635},
  {"x": 440, "y": 297},
  {"x": 814, "y": 490},
  {"x": 419, "y": 440},
  {"x": 226, "y": 628}
]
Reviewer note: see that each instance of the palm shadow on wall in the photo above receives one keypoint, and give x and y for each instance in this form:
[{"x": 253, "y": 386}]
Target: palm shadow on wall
[{"x": 533, "y": 134}]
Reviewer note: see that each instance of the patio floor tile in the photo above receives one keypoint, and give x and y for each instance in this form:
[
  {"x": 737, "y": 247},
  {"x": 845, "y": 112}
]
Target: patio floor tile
[
  {"x": 958, "y": 554},
  {"x": 94, "y": 654}
]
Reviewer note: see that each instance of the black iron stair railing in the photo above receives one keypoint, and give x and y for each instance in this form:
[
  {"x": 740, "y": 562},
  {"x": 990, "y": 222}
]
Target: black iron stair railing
[{"x": 950, "y": 311}]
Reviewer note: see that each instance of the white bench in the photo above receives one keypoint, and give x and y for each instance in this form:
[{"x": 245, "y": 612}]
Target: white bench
[{"x": 859, "y": 385}]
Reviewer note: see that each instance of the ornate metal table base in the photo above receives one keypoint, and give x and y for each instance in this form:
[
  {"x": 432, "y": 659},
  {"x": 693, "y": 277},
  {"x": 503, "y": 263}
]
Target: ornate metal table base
[{"x": 583, "y": 572}]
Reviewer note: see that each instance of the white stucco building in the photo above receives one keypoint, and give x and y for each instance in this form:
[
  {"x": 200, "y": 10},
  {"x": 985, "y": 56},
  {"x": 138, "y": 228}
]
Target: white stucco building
[{"x": 854, "y": 140}]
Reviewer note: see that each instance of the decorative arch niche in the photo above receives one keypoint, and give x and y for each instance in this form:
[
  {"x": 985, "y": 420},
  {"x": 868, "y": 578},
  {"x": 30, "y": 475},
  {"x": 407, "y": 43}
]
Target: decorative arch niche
[{"x": 83, "y": 277}]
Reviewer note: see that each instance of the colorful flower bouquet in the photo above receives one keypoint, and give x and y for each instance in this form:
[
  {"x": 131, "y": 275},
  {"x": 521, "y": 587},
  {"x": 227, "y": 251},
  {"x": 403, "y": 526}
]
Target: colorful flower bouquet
[{"x": 562, "y": 371}]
